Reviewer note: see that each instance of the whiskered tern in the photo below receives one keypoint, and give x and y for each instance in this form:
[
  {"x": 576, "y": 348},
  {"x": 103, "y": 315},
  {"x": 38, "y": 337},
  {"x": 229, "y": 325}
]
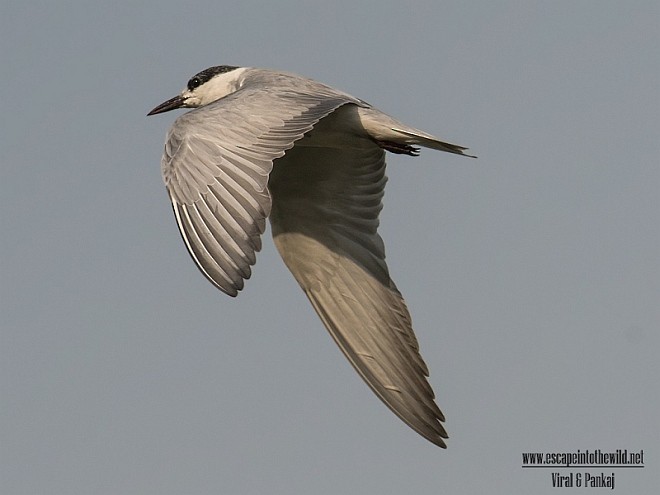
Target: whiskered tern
[{"x": 261, "y": 143}]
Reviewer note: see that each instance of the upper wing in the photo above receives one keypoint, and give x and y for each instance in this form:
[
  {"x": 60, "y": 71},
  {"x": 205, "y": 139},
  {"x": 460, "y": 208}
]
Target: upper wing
[
  {"x": 326, "y": 200},
  {"x": 216, "y": 165}
]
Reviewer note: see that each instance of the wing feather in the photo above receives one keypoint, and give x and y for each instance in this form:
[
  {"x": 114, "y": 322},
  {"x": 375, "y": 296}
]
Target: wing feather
[
  {"x": 211, "y": 267},
  {"x": 326, "y": 201},
  {"x": 216, "y": 164}
]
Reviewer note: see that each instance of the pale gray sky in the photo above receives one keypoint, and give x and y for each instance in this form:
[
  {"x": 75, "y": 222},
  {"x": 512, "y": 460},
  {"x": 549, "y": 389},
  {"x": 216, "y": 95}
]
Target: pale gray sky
[{"x": 532, "y": 273}]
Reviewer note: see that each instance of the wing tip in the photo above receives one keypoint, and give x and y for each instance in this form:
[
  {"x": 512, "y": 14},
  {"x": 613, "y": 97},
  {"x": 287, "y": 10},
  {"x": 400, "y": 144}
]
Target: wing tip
[
  {"x": 438, "y": 436},
  {"x": 439, "y": 442}
]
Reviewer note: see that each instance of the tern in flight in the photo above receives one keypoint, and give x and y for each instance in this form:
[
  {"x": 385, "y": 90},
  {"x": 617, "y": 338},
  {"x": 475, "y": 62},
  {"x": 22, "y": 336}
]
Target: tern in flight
[{"x": 265, "y": 144}]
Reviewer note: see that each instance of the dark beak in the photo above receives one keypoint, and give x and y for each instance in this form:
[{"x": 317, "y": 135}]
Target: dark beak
[{"x": 171, "y": 104}]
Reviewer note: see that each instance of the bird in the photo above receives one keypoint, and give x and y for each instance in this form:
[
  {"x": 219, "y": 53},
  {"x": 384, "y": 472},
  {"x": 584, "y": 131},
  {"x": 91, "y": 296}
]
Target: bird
[{"x": 263, "y": 144}]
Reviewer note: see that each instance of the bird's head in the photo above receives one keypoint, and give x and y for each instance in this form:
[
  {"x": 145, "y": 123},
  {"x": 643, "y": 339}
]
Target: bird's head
[{"x": 203, "y": 88}]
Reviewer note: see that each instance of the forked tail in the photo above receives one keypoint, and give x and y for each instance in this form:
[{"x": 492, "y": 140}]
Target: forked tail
[
  {"x": 428, "y": 141},
  {"x": 394, "y": 136}
]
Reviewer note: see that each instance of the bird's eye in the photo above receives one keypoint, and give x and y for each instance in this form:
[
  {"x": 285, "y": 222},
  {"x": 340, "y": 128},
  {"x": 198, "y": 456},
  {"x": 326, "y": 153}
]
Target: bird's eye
[{"x": 193, "y": 83}]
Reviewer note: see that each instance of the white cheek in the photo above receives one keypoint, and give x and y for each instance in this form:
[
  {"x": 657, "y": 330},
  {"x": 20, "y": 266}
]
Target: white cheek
[{"x": 191, "y": 99}]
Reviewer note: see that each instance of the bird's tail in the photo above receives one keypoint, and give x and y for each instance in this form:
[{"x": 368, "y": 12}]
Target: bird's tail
[
  {"x": 384, "y": 129},
  {"x": 428, "y": 141}
]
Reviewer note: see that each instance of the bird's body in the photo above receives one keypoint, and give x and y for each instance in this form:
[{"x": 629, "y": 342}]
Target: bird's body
[{"x": 264, "y": 144}]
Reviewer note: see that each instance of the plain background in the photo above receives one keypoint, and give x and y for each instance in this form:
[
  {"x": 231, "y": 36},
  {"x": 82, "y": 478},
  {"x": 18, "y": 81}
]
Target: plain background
[{"x": 532, "y": 273}]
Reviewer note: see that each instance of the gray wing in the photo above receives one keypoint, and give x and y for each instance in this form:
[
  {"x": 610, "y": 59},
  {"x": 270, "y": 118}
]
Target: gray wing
[
  {"x": 216, "y": 164},
  {"x": 326, "y": 200}
]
